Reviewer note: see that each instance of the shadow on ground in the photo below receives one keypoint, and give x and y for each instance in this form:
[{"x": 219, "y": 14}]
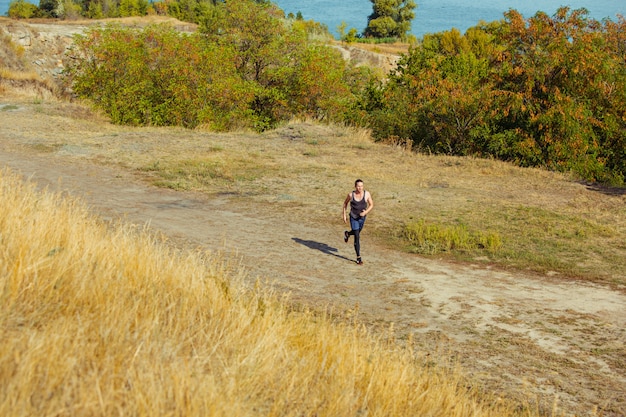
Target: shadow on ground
[{"x": 322, "y": 247}]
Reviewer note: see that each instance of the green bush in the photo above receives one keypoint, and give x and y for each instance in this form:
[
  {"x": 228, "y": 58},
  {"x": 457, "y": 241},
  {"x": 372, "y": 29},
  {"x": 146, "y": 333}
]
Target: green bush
[
  {"x": 159, "y": 76},
  {"x": 244, "y": 68},
  {"x": 21, "y": 9},
  {"x": 390, "y": 19},
  {"x": 547, "y": 92}
]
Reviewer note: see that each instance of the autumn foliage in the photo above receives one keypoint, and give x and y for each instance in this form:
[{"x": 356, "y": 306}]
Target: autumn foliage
[
  {"x": 245, "y": 68},
  {"x": 546, "y": 91}
]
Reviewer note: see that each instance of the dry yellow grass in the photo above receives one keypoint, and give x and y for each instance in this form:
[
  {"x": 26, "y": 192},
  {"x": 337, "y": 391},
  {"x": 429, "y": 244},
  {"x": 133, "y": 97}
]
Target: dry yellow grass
[
  {"x": 108, "y": 320},
  {"x": 19, "y": 75}
]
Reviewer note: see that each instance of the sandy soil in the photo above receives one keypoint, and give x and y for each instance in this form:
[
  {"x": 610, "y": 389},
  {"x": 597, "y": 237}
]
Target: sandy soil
[{"x": 539, "y": 340}]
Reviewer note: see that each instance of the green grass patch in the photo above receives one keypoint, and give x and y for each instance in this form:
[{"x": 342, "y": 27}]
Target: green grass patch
[
  {"x": 376, "y": 41},
  {"x": 523, "y": 237},
  {"x": 535, "y": 222},
  {"x": 431, "y": 238},
  {"x": 546, "y": 240},
  {"x": 189, "y": 174}
]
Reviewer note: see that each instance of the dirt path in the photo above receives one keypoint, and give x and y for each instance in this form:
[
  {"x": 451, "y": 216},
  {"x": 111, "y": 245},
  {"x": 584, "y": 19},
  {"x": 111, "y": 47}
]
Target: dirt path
[
  {"x": 542, "y": 333},
  {"x": 520, "y": 336}
]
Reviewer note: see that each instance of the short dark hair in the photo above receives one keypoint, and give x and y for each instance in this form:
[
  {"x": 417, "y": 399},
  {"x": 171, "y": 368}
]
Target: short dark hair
[{"x": 357, "y": 181}]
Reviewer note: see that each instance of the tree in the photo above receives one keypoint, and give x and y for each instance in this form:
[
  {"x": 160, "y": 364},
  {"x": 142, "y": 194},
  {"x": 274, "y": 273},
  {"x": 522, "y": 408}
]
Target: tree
[
  {"x": 48, "y": 8},
  {"x": 263, "y": 48},
  {"x": 94, "y": 10},
  {"x": 390, "y": 18},
  {"x": 439, "y": 97},
  {"x": 133, "y": 8},
  {"x": 566, "y": 79},
  {"x": 159, "y": 76},
  {"x": 67, "y": 9},
  {"x": 545, "y": 91},
  {"x": 21, "y": 9}
]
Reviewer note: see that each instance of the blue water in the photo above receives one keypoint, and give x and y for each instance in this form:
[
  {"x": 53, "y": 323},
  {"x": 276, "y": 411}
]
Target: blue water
[{"x": 432, "y": 15}]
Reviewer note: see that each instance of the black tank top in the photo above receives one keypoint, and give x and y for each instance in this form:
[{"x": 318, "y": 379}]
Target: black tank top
[{"x": 356, "y": 207}]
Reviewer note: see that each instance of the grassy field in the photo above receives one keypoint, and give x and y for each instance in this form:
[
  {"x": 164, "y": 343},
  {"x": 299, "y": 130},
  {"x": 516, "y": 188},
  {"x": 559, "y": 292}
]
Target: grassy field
[
  {"x": 522, "y": 218},
  {"x": 466, "y": 209},
  {"x": 108, "y": 320}
]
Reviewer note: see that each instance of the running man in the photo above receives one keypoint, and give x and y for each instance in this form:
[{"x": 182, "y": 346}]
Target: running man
[{"x": 361, "y": 203}]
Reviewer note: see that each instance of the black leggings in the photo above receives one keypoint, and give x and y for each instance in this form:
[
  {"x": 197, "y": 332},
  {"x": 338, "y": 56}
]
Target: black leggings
[{"x": 357, "y": 241}]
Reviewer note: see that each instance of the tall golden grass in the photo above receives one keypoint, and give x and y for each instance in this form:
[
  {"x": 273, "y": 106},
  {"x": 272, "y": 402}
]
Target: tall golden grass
[{"x": 103, "y": 320}]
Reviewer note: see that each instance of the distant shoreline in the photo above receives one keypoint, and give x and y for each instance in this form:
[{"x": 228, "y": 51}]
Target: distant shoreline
[{"x": 431, "y": 16}]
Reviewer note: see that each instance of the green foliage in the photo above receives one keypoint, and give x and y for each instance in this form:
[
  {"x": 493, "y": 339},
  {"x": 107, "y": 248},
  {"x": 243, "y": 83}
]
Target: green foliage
[
  {"x": 75, "y": 9},
  {"x": 377, "y": 41},
  {"x": 244, "y": 68},
  {"x": 351, "y": 36},
  {"x": 544, "y": 91},
  {"x": 95, "y": 11},
  {"x": 158, "y": 76},
  {"x": 559, "y": 73},
  {"x": 186, "y": 10},
  {"x": 67, "y": 9},
  {"x": 259, "y": 38},
  {"x": 21, "y": 9},
  {"x": 312, "y": 29},
  {"x": 539, "y": 92},
  {"x": 381, "y": 27},
  {"x": 390, "y": 18},
  {"x": 109, "y": 7},
  {"x": 437, "y": 97},
  {"x": 132, "y": 8},
  {"x": 48, "y": 8},
  {"x": 317, "y": 88},
  {"x": 264, "y": 51}
]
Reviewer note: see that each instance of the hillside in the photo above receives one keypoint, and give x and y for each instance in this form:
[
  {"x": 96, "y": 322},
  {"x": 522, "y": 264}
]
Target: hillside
[{"x": 273, "y": 203}]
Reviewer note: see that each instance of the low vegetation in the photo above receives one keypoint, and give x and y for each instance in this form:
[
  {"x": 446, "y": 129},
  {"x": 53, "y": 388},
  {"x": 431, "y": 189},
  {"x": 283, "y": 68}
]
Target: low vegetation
[
  {"x": 101, "y": 319},
  {"x": 461, "y": 208},
  {"x": 512, "y": 217},
  {"x": 434, "y": 238}
]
